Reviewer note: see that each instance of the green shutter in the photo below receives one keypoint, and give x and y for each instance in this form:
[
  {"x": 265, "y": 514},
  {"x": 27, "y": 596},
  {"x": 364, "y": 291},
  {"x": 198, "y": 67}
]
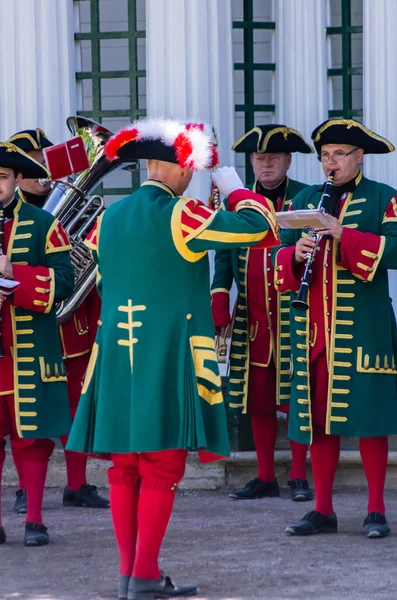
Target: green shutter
[
  {"x": 249, "y": 108},
  {"x": 96, "y": 75},
  {"x": 344, "y": 34}
]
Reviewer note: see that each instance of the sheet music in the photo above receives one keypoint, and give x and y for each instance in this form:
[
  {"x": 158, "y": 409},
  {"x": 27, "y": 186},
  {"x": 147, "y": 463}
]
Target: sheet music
[{"x": 303, "y": 219}]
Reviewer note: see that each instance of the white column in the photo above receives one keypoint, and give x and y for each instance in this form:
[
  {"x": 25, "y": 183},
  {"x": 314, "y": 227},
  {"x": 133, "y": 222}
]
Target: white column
[
  {"x": 380, "y": 84},
  {"x": 37, "y": 65},
  {"x": 189, "y": 69},
  {"x": 301, "y": 76},
  {"x": 380, "y": 93}
]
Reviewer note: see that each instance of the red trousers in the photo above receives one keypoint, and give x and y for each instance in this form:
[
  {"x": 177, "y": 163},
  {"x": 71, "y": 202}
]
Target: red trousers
[
  {"x": 325, "y": 449},
  {"x": 262, "y": 390},
  {"x": 142, "y": 491},
  {"x": 34, "y": 449},
  {"x": 32, "y": 458},
  {"x": 263, "y": 409}
]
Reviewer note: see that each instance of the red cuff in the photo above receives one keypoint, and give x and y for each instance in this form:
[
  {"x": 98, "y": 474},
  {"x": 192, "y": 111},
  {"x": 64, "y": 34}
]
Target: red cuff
[
  {"x": 360, "y": 252},
  {"x": 220, "y": 308},
  {"x": 36, "y": 290},
  {"x": 288, "y": 272},
  {"x": 246, "y": 200}
]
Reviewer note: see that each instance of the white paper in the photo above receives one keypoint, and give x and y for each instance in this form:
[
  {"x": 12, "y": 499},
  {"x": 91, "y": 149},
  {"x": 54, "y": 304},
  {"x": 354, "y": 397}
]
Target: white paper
[
  {"x": 303, "y": 219},
  {"x": 8, "y": 286}
]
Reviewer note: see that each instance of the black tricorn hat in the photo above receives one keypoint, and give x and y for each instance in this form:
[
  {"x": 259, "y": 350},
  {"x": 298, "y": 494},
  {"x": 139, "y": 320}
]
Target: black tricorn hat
[
  {"x": 349, "y": 131},
  {"x": 12, "y": 157},
  {"x": 272, "y": 138},
  {"x": 30, "y": 139}
]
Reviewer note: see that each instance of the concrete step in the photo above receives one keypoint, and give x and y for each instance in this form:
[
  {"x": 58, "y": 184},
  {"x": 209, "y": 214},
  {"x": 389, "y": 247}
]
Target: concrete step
[{"x": 232, "y": 472}]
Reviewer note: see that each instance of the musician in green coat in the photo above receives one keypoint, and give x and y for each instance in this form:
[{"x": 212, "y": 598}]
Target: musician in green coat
[
  {"x": 259, "y": 378},
  {"x": 343, "y": 349},
  {"x": 152, "y": 390},
  {"x": 33, "y": 392}
]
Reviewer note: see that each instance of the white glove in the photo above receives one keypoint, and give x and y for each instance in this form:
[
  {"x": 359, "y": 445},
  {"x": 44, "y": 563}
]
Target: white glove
[{"x": 227, "y": 180}]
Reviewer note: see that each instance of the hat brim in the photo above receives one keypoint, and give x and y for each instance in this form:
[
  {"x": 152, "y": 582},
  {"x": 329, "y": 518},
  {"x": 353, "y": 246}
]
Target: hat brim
[
  {"x": 12, "y": 157},
  {"x": 353, "y": 133},
  {"x": 149, "y": 150},
  {"x": 30, "y": 140},
  {"x": 279, "y": 139}
]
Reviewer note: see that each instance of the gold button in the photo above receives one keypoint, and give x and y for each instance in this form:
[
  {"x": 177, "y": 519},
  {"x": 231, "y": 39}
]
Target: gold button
[{"x": 189, "y": 316}]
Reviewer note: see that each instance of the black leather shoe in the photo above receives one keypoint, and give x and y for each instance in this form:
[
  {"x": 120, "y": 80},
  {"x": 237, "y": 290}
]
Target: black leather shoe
[
  {"x": 3, "y": 537},
  {"x": 314, "y": 522},
  {"x": 122, "y": 591},
  {"x": 144, "y": 589},
  {"x": 35, "y": 535},
  {"x": 256, "y": 489},
  {"x": 86, "y": 496},
  {"x": 300, "y": 491},
  {"x": 376, "y": 526},
  {"x": 21, "y": 503}
]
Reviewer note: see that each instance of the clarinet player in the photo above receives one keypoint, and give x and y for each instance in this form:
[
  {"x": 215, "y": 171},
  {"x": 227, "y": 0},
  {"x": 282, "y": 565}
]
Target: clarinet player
[{"x": 343, "y": 362}]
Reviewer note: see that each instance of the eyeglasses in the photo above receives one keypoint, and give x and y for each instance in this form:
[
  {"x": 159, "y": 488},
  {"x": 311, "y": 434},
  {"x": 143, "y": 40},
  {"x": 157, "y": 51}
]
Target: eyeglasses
[{"x": 338, "y": 156}]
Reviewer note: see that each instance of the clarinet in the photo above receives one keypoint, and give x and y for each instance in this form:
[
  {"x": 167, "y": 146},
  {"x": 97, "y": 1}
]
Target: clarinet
[
  {"x": 2, "y": 218},
  {"x": 300, "y": 302}
]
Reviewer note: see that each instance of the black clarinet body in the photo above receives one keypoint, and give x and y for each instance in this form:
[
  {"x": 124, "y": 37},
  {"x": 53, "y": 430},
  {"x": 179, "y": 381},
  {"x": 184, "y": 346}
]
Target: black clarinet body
[
  {"x": 300, "y": 302},
  {"x": 2, "y": 218}
]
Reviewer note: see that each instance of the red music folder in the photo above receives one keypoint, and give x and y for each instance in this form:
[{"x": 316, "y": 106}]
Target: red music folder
[{"x": 67, "y": 158}]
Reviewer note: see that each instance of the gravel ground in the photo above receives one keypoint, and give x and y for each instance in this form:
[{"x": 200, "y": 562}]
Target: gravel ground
[{"x": 233, "y": 550}]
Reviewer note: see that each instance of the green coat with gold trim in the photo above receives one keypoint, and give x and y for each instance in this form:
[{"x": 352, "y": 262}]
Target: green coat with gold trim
[
  {"x": 153, "y": 381},
  {"x": 356, "y": 316},
  {"x": 232, "y": 265},
  {"x": 38, "y": 249}
]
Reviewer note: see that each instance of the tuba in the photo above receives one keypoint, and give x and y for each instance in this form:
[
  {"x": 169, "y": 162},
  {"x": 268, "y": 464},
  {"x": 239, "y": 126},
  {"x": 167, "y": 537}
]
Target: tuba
[{"x": 74, "y": 203}]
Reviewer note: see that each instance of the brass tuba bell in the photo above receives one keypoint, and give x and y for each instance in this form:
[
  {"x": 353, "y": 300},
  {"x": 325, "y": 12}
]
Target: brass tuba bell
[{"x": 72, "y": 202}]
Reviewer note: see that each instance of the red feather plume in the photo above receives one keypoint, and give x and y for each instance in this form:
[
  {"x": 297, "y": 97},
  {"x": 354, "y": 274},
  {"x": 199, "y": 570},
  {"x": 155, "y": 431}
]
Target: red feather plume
[
  {"x": 183, "y": 149},
  {"x": 117, "y": 141}
]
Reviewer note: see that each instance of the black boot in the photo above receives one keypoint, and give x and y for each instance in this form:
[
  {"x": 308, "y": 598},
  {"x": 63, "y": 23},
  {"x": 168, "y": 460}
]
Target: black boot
[
  {"x": 3, "y": 537},
  {"x": 86, "y": 496},
  {"x": 122, "y": 590},
  {"x": 314, "y": 522},
  {"x": 256, "y": 489},
  {"x": 35, "y": 535},
  {"x": 300, "y": 491},
  {"x": 21, "y": 503},
  {"x": 144, "y": 589},
  {"x": 376, "y": 526}
]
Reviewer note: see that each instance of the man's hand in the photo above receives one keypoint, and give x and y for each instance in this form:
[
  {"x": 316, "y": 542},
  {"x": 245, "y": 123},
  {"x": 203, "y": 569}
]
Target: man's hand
[
  {"x": 303, "y": 247},
  {"x": 335, "y": 229},
  {"x": 2, "y": 298},
  {"x": 6, "y": 267},
  {"x": 227, "y": 180}
]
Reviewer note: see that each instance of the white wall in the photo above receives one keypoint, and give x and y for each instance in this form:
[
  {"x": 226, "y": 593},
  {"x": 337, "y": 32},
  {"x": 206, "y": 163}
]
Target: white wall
[
  {"x": 264, "y": 80},
  {"x": 115, "y": 93}
]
